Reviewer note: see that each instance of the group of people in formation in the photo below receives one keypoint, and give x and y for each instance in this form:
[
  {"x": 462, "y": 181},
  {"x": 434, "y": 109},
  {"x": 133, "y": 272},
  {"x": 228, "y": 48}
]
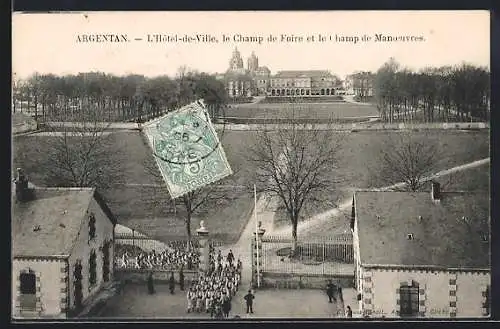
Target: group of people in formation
[
  {"x": 172, "y": 258},
  {"x": 212, "y": 292}
]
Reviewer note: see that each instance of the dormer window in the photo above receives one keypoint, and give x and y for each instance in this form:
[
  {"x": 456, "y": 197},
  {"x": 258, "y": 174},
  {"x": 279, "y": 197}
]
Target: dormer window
[
  {"x": 410, "y": 236},
  {"x": 91, "y": 227}
]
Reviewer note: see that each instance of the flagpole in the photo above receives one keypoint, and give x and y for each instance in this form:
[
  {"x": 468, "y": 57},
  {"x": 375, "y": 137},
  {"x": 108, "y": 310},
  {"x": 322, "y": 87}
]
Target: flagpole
[{"x": 256, "y": 233}]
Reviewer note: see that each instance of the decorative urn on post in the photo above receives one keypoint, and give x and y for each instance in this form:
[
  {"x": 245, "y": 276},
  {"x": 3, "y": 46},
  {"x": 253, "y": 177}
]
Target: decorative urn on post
[{"x": 202, "y": 233}]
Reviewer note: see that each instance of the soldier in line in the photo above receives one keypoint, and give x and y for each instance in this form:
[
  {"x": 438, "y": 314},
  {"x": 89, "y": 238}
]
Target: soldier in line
[{"x": 230, "y": 257}]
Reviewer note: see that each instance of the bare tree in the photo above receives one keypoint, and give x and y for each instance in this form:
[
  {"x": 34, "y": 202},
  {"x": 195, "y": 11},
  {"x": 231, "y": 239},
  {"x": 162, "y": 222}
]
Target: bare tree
[
  {"x": 191, "y": 203},
  {"x": 407, "y": 158},
  {"x": 296, "y": 163},
  {"x": 83, "y": 154}
]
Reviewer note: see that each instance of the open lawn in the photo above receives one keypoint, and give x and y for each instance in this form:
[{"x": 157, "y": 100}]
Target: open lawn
[
  {"x": 141, "y": 200},
  {"x": 334, "y": 110},
  {"x": 148, "y": 208},
  {"x": 358, "y": 165}
]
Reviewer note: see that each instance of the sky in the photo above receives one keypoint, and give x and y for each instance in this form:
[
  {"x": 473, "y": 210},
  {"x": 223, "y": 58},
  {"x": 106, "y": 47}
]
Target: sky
[{"x": 48, "y": 42}]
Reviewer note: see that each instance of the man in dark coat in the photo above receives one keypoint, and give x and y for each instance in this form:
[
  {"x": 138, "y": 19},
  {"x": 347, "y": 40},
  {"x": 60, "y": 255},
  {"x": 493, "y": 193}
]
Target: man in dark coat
[
  {"x": 151, "y": 288},
  {"x": 348, "y": 313},
  {"x": 181, "y": 279},
  {"x": 249, "y": 300},
  {"x": 171, "y": 283},
  {"x": 330, "y": 288}
]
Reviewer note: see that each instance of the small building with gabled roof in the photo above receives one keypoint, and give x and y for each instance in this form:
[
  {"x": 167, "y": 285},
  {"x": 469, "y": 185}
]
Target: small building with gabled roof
[
  {"x": 421, "y": 254},
  {"x": 62, "y": 249}
]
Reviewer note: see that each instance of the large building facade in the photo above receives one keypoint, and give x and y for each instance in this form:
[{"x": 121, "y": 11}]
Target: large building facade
[{"x": 255, "y": 80}]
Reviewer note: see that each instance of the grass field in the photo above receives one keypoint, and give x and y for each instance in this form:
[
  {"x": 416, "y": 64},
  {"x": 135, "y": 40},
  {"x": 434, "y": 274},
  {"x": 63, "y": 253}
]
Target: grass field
[
  {"x": 302, "y": 110},
  {"x": 150, "y": 210}
]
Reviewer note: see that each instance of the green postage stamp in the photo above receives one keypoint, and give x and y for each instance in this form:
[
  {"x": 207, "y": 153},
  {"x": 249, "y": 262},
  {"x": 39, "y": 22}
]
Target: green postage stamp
[{"x": 187, "y": 149}]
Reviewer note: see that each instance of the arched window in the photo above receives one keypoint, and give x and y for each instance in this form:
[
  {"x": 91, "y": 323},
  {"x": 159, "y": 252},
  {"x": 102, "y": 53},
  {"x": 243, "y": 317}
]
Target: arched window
[
  {"x": 27, "y": 287},
  {"x": 28, "y": 282},
  {"x": 409, "y": 299}
]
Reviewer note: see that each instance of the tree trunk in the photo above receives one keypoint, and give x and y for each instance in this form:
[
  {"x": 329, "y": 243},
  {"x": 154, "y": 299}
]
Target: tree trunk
[
  {"x": 188, "y": 230},
  {"x": 294, "y": 236}
]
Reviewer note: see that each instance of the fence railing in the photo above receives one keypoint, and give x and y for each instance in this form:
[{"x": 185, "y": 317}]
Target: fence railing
[
  {"x": 128, "y": 246},
  {"x": 325, "y": 256}
]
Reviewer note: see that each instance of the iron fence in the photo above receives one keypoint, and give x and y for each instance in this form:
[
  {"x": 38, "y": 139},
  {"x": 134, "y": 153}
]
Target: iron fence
[
  {"x": 322, "y": 256},
  {"x": 136, "y": 251}
]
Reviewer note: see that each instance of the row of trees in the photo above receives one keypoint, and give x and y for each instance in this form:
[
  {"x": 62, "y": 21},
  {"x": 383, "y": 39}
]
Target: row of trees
[
  {"x": 120, "y": 98},
  {"x": 448, "y": 93}
]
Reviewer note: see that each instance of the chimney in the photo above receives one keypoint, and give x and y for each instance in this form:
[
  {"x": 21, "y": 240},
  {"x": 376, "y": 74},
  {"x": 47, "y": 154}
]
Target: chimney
[
  {"x": 21, "y": 186},
  {"x": 435, "y": 191}
]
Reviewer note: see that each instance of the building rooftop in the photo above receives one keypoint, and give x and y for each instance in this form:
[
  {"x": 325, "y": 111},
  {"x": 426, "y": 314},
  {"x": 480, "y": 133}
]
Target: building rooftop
[
  {"x": 301, "y": 73},
  {"x": 404, "y": 228},
  {"x": 49, "y": 223}
]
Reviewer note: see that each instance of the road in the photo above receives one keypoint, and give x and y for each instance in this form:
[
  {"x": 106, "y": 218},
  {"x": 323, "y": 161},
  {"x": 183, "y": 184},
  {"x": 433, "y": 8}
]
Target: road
[{"x": 340, "y": 127}]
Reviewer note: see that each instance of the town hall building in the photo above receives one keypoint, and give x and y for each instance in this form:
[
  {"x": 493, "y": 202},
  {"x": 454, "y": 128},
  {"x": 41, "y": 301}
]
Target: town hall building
[
  {"x": 257, "y": 80},
  {"x": 62, "y": 249},
  {"x": 421, "y": 254}
]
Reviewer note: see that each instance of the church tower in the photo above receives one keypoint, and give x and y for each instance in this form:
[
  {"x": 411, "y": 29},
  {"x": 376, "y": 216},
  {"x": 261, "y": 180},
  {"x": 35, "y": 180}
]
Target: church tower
[
  {"x": 236, "y": 63},
  {"x": 253, "y": 62}
]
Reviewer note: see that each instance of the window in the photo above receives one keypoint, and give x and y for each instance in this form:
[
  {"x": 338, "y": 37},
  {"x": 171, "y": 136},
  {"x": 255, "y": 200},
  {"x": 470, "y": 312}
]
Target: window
[
  {"x": 28, "y": 291},
  {"x": 91, "y": 227},
  {"x": 409, "y": 299},
  {"x": 92, "y": 269}
]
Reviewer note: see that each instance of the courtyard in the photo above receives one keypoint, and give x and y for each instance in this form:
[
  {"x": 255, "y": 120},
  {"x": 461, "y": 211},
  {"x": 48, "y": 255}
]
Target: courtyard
[{"x": 135, "y": 302}]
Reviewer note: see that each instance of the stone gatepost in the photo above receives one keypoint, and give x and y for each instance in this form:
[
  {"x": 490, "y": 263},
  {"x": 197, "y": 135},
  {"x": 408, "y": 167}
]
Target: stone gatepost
[
  {"x": 257, "y": 256},
  {"x": 202, "y": 233}
]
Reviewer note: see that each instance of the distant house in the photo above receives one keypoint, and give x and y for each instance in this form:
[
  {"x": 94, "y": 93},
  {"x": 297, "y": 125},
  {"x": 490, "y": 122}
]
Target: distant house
[
  {"x": 422, "y": 254},
  {"x": 62, "y": 249},
  {"x": 360, "y": 84}
]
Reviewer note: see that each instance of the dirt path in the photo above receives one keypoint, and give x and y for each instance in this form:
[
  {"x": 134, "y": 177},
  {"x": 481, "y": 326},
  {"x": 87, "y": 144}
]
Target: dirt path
[{"x": 303, "y": 227}]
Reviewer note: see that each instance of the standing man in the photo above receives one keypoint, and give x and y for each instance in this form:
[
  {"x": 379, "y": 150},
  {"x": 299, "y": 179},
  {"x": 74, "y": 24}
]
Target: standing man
[
  {"x": 348, "y": 312},
  {"x": 249, "y": 300},
  {"x": 329, "y": 291},
  {"x": 151, "y": 288},
  {"x": 171, "y": 283},
  {"x": 181, "y": 279}
]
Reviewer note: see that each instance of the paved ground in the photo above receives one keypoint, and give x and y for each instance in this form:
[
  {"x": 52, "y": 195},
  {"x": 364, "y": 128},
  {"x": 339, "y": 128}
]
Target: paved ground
[{"x": 135, "y": 302}]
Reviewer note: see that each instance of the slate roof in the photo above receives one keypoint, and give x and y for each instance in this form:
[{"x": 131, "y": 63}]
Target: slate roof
[
  {"x": 298, "y": 74},
  {"x": 59, "y": 213},
  {"x": 441, "y": 238}
]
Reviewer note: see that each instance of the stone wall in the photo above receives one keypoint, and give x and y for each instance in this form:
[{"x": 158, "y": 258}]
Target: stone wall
[{"x": 297, "y": 281}]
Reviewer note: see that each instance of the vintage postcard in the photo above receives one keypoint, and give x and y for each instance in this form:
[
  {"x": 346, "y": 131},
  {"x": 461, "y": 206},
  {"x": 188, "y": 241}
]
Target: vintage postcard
[{"x": 251, "y": 165}]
